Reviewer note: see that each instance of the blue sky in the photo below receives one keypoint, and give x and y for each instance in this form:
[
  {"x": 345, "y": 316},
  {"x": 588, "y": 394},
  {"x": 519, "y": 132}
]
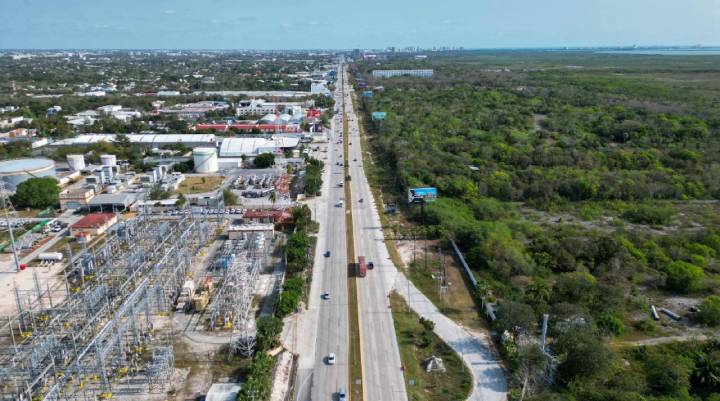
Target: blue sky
[{"x": 291, "y": 24}]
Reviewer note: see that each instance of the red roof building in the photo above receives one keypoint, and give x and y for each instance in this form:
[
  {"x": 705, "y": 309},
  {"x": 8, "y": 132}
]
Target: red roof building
[
  {"x": 277, "y": 216},
  {"x": 93, "y": 224},
  {"x": 294, "y": 128}
]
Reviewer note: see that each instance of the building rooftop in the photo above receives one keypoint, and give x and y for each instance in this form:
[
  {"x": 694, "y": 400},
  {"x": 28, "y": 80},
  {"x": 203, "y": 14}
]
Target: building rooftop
[{"x": 94, "y": 220}]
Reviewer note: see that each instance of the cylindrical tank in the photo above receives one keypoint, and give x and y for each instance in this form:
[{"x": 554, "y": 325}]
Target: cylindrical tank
[
  {"x": 14, "y": 172},
  {"x": 108, "y": 160},
  {"x": 206, "y": 160},
  {"x": 53, "y": 256},
  {"x": 76, "y": 162}
]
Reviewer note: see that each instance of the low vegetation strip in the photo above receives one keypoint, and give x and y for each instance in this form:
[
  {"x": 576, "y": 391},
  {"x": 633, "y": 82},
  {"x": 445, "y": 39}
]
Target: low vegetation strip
[
  {"x": 418, "y": 343},
  {"x": 355, "y": 347}
]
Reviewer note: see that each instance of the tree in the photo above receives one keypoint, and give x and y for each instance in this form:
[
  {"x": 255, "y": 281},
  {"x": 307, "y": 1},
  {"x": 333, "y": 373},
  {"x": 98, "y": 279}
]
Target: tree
[
  {"x": 268, "y": 332},
  {"x": 181, "y": 201},
  {"x": 668, "y": 373},
  {"x": 158, "y": 193},
  {"x": 582, "y": 354},
  {"x": 531, "y": 366},
  {"x": 273, "y": 198},
  {"x": 229, "y": 197},
  {"x": 38, "y": 193},
  {"x": 514, "y": 316},
  {"x": 264, "y": 160},
  {"x": 707, "y": 369},
  {"x": 709, "y": 313}
]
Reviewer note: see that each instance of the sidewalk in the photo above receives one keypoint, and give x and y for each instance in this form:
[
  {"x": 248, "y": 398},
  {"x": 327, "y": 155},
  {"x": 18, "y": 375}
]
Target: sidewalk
[{"x": 489, "y": 378}]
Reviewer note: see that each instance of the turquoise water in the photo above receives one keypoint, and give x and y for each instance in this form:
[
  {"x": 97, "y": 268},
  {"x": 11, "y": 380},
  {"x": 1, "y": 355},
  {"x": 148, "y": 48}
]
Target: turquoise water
[{"x": 669, "y": 52}]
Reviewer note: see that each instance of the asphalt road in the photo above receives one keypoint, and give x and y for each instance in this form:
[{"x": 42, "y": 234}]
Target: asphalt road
[
  {"x": 324, "y": 327},
  {"x": 383, "y": 376}
]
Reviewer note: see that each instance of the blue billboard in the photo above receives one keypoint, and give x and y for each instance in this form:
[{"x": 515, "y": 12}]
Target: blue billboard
[
  {"x": 367, "y": 94},
  {"x": 378, "y": 115},
  {"x": 417, "y": 195}
]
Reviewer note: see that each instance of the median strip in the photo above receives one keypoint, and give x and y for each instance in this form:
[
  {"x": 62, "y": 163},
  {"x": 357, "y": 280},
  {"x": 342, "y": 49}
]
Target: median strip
[{"x": 355, "y": 348}]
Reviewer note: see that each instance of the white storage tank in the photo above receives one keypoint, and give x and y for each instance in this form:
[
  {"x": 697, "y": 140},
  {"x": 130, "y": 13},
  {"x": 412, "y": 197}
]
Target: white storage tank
[
  {"x": 76, "y": 162},
  {"x": 108, "y": 160},
  {"x": 13, "y": 172},
  {"x": 206, "y": 160}
]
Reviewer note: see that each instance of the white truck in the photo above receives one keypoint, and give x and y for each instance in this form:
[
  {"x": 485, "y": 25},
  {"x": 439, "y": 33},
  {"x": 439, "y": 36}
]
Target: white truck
[{"x": 186, "y": 293}]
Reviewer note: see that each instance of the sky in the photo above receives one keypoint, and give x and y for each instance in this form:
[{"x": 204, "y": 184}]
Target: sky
[{"x": 349, "y": 24}]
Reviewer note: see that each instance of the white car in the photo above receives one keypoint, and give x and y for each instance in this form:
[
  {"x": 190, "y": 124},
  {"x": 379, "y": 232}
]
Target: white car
[{"x": 331, "y": 359}]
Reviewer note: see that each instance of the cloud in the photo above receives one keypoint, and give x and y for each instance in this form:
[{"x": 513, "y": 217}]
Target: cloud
[
  {"x": 214, "y": 21},
  {"x": 169, "y": 12}
]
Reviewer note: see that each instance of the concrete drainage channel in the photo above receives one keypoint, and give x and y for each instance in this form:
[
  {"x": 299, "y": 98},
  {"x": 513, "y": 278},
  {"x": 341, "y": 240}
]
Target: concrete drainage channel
[{"x": 355, "y": 347}]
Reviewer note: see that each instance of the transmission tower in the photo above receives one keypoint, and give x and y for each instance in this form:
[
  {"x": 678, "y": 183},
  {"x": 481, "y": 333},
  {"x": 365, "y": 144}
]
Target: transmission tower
[{"x": 7, "y": 206}]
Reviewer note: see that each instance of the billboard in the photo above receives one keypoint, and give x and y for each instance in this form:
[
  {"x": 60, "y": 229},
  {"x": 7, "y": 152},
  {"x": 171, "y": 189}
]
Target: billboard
[
  {"x": 367, "y": 94},
  {"x": 417, "y": 195},
  {"x": 378, "y": 115}
]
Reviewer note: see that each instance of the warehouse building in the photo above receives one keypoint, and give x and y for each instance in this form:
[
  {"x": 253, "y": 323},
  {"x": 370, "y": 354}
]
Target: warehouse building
[
  {"x": 402, "y": 73},
  {"x": 251, "y": 147},
  {"x": 148, "y": 140}
]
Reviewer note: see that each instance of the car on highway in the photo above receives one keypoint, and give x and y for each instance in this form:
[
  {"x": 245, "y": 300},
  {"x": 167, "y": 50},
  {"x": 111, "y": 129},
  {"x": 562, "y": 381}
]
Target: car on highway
[
  {"x": 325, "y": 296},
  {"x": 327, "y": 254},
  {"x": 340, "y": 203},
  {"x": 340, "y": 184},
  {"x": 331, "y": 359},
  {"x": 371, "y": 265},
  {"x": 342, "y": 394}
]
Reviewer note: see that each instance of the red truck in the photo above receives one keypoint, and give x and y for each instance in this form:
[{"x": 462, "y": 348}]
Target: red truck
[{"x": 362, "y": 269}]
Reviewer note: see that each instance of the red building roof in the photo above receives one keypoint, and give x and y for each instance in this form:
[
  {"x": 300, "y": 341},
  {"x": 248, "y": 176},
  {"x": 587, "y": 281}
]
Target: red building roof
[
  {"x": 278, "y": 215},
  {"x": 249, "y": 127},
  {"x": 94, "y": 220}
]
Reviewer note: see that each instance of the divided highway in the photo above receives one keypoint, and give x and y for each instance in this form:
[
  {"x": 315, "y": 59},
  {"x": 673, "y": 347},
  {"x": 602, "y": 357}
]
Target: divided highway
[
  {"x": 323, "y": 328},
  {"x": 382, "y": 368}
]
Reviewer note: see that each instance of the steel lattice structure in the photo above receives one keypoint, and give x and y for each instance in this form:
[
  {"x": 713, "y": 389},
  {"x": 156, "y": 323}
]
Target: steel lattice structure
[{"x": 94, "y": 334}]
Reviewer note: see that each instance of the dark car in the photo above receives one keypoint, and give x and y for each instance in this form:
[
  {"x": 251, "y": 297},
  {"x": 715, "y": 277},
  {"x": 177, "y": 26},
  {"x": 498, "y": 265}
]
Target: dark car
[
  {"x": 371, "y": 265},
  {"x": 327, "y": 254}
]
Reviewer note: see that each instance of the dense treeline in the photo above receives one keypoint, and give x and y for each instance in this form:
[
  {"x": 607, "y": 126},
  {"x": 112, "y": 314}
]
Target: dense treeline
[{"x": 503, "y": 134}]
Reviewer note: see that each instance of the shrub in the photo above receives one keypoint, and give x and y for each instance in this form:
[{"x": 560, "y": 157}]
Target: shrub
[{"x": 683, "y": 276}]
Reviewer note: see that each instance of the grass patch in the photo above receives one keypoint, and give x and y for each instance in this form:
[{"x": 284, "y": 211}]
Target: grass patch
[
  {"x": 355, "y": 350},
  {"x": 197, "y": 185},
  {"x": 456, "y": 301},
  {"x": 454, "y": 384}
]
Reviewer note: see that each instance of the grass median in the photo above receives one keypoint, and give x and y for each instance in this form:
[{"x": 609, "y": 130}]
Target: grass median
[{"x": 355, "y": 350}]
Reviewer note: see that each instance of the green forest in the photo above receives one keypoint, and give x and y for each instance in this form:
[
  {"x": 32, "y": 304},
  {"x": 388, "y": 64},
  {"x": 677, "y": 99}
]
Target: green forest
[{"x": 584, "y": 186}]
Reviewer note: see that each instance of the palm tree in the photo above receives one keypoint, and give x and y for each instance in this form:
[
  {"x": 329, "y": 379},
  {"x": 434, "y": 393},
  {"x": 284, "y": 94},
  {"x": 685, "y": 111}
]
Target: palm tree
[
  {"x": 538, "y": 292},
  {"x": 273, "y": 198},
  {"x": 707, "y": 369}
]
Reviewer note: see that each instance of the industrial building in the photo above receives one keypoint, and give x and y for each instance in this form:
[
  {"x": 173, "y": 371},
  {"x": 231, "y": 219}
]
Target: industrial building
[
  {"x": 92, "y": 225},
  {"x": 402, "y": 73},
  {"x": 148, "y": 140},
  {"x": 76, "y": 198},
  {"x": 250, "y": 147},
  {"x": 259, "y": 107},
  {"x": 193, "y": 111},
  {"x": 14, "y": 172}
]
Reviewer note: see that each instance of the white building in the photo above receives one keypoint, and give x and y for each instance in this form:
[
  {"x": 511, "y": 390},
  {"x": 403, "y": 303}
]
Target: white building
[
  {"x": 238, "y": 147},
  {"x": 402, "y": 73}
]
